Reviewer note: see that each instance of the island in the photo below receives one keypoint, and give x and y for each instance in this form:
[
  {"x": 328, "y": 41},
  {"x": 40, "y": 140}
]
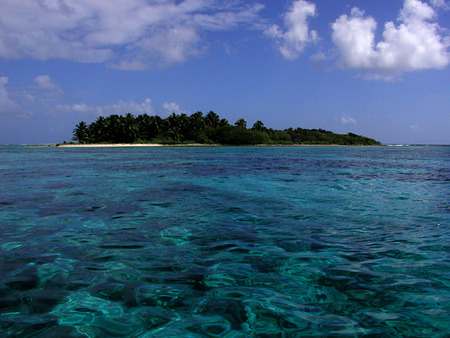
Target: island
[{"x": 199, "y": 129}]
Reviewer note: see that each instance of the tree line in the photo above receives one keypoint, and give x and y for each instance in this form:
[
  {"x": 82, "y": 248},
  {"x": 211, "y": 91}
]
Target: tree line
[{"x": 204, "y": 129}]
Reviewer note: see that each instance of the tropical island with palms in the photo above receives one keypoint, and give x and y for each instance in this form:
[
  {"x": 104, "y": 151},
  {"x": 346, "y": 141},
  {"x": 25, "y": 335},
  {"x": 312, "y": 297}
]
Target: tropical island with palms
[{"x": 206, "y": 129}]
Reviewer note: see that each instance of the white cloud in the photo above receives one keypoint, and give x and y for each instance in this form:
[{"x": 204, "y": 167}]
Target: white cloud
[
  {"x": 172, "y": 107},
  {"x": 440, "y": 4},
  {"x": 7, "y": 106},
  {"x": 345, "y": 119},
  {"x": 173, "y": 45},
  {"x": 119, "y": 108},
  {"x": 14, "y": 105},
  {"x": 132, "y": 34},
  {"x": 44, "y": 82},
  {"x": 228, "y": 15},
  {"x": 415, "y": 44},
  {"x": 3, "y": 93},
  {"x": 297, "y": 35},
  {"x": 354, "y": 36}
]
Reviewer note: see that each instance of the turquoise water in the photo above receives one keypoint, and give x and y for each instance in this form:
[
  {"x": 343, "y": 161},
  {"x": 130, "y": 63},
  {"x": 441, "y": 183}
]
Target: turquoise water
[{"x": 224, "y": 242}]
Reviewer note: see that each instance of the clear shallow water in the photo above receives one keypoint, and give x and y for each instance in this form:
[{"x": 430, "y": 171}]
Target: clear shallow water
[{"x": 226, "y": 242}]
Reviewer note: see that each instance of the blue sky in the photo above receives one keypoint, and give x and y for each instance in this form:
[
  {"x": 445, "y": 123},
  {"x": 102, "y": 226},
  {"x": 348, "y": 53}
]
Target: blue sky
[{"x": 376, "y": 68}]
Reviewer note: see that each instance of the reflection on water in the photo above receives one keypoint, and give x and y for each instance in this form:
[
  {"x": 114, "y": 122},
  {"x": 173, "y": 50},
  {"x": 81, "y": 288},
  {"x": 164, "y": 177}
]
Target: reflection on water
[{"x": 236, "y": 242}]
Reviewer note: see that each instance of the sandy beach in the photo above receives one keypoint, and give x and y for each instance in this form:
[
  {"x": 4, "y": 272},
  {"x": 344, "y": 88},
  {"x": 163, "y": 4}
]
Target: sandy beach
[
  {"x": 102, "y": 145},
  {"x": 112, "y": 145},
  {"x": 109, "y": 145}
]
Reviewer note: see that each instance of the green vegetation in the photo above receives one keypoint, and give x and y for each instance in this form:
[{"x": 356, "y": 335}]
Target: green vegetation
[{"x": 204, "y": 129}]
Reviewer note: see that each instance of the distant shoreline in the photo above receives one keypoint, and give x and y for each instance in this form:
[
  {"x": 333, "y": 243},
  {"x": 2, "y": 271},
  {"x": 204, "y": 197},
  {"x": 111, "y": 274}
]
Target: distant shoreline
[
  {"x": 126, "y": 145},
  {"x": 95, "y": 145}
]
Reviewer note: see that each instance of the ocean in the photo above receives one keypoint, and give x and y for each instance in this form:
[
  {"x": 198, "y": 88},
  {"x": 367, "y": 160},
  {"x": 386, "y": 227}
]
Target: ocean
[{"x": 224, "y": 241}]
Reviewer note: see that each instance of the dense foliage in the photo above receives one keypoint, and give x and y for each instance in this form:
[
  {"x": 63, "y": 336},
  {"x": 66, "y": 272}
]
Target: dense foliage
[{"x": 199, "y": 128}]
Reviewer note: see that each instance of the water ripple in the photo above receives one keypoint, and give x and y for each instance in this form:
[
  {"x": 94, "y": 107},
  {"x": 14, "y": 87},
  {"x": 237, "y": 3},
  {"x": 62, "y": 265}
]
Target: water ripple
[{"x": 225, "y": 242}]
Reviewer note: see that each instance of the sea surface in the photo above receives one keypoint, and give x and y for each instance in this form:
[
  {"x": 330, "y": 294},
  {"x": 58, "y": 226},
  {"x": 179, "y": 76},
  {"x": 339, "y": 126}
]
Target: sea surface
[{"x": 225, "y": 242}]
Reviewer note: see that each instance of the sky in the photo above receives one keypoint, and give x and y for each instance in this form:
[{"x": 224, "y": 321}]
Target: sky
[{"x": 375, "y": 68}]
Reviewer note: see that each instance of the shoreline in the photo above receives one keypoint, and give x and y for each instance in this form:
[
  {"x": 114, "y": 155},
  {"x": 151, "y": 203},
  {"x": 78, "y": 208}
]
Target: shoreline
[
  {"x": 100, "y": 145},
  {"x": 126, "y": 145}
]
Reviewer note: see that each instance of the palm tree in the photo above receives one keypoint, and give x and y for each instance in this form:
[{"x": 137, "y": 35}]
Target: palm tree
[
  {"x": 241, "y": 123},
  {"x": 114, "y": 129},
  {"x": 223, "y": 123},
  {"x": 129, "y": 127},
  {"x": 97, "y": 132},
  {"x": 196, "y": 124},
  {"x": 258, "y": 125},
  {"x": 81, "y": 133},
  {"x": 212, "y": 120}
]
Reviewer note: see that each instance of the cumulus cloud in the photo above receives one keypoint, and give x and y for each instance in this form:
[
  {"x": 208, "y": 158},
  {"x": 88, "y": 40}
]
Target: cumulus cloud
[
  {"x": 119, "y": 108},
  {"x": 44, "y": 82},
  {"x": 132, "y": 34},
  {"x": 293, "y": 40},
  {"x": 172, "y": 107},
  {"x": 415, "y": 44},
  {"x": 355, "y": 37},
  {"x": 345, "y": 119}
]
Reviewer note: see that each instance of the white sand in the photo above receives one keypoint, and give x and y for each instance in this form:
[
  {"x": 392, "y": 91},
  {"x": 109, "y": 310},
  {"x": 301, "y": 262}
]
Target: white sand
[
  {"x": 132, "y": 145},
  {"x": 109, "y": 145}
]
